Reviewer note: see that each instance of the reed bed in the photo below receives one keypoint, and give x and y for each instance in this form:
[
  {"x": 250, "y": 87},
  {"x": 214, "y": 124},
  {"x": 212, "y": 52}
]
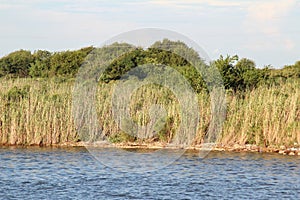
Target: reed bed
[
  {"x": 35, "y": 112},
  {"x": 265, "y": 116},
  {"x": 39, "y": 112}
]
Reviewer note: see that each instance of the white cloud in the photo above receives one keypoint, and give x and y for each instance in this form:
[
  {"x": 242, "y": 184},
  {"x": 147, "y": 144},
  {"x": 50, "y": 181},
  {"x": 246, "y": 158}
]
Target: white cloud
[
  {"x": 265, "y": 19},
  {"x": 267, "y": 16},
  {"x": 289, "y": 44}
]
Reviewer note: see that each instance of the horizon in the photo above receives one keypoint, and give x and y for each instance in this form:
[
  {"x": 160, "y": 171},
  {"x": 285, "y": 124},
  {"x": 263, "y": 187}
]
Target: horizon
[{"x": 263, "y": 31}]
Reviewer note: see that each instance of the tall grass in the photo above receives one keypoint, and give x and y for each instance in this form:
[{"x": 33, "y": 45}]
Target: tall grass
[
  {"x": 35, "y": 112},
  {"x": 264, "y": 116},
  {"x": 39, "y": 112}
]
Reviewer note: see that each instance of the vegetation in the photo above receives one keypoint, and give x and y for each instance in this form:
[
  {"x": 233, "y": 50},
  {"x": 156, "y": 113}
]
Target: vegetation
[
  {"x": 39, "y": 111},
  {"x": 238, "y": 75},
  {"x": 42, "y": 63},
  {"x": 263, "y": 105}
]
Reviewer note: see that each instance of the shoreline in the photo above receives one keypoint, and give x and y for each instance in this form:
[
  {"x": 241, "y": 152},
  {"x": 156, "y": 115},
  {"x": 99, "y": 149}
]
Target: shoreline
[{"x": 292, "y": 151}]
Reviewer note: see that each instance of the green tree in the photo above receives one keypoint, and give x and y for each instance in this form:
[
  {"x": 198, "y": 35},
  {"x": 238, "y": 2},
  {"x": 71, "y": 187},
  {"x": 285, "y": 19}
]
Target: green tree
[
  {"x": 248, "y": 76},
  {"x": 41, "y": 65},
  {"x": 226, "y": 67},
  {"x": 157, "y": 56},
  {"x": 239, "y": 75},
  {"x": 291, "y": 71},
  {"x": 123, "y": 64},
  {"x": 179, "y": 48},
  {"x": 67, "y": 63},
  {"x": 16, "y": 64}
]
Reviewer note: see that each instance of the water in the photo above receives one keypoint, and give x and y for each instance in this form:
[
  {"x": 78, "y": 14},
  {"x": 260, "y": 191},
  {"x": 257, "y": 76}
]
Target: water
[{"x": 72, "y": 173}]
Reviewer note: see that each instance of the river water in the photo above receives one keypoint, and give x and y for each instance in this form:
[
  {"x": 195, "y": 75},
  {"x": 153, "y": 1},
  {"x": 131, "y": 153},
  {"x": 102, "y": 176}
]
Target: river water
[{"x": 73, "y": 173}]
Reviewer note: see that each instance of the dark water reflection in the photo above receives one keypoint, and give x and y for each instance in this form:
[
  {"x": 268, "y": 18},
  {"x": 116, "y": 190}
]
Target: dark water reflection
[{"x": 72, "y": 173}]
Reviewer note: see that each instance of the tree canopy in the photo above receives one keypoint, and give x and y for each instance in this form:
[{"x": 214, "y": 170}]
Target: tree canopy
[
  {"x": 237, "y": 74},
  {"x": 16, "y": 64}
]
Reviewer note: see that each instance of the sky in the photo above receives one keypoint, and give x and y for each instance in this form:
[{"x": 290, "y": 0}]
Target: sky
[{"x": 266, "y": 31}]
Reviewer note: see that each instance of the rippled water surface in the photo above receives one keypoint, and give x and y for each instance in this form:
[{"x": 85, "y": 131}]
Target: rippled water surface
[{"x": 72, "y": 173}]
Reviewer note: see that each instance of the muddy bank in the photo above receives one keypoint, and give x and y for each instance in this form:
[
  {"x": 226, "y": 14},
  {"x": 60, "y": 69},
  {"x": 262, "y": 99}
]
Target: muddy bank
[{"x": 292, "y": 151}]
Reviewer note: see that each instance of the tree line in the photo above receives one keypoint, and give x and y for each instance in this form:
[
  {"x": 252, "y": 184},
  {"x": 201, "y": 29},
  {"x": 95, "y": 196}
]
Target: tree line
[{"x": 237, "y": 74}]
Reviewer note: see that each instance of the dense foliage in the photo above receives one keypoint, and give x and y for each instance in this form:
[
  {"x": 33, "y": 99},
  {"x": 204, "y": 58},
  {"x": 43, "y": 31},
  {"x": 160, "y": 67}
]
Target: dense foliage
[
  {"x": 16, "y": 63},
  {"x": 238, "y": 74},
  {"x": 43, "y": 63},
  {"x": 262, "y": 103}
]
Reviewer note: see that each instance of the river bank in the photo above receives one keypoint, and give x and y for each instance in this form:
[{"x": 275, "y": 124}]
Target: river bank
[{"x": 290, "y": 151}]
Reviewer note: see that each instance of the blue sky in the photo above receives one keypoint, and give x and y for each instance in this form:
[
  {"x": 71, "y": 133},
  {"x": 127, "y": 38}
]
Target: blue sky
[{"x": 265, "y": 31}]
